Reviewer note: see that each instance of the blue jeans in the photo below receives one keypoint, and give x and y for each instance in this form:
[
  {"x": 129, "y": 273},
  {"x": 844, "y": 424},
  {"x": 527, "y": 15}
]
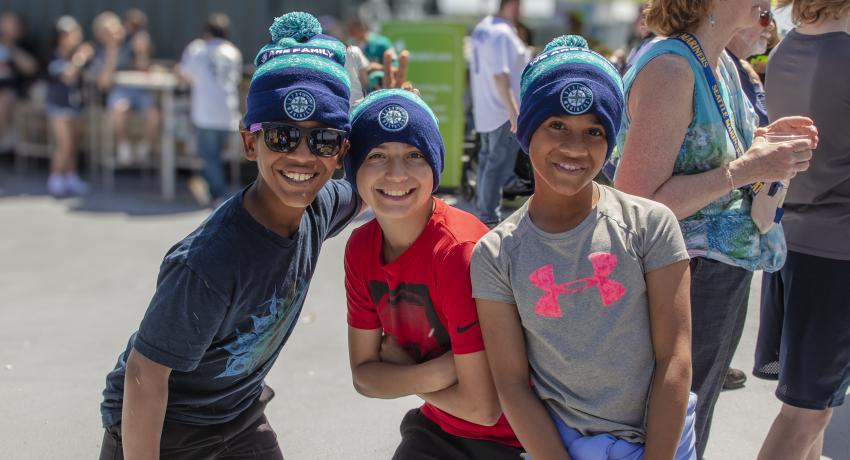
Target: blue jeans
[
  {"x": 719, "y": 295},
  {"x": 496, "y": 161},
  {"x": 210, "y": 145}
]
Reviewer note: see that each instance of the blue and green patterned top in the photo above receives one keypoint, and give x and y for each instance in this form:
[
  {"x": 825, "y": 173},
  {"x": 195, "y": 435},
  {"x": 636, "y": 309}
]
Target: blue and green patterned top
[{"x": 723, "y": 230}]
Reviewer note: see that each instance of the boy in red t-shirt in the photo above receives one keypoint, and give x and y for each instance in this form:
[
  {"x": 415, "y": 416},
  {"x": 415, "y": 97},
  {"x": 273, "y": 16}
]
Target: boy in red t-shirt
[{"x": 413, "y": 327}]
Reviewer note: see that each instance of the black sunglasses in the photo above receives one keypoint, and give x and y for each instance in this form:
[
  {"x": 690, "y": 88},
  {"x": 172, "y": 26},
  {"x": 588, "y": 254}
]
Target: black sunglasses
[
  {"x": 765, "y": 17},
  {"x": 284, "y": 138}
]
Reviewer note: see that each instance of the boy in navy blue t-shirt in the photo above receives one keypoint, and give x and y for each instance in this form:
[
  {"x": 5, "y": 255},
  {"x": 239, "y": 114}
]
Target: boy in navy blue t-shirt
[{"x": 191, "y": 382}]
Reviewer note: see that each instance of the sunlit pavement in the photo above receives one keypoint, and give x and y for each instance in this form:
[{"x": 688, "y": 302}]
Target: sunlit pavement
[{"x": 76, "y": 276}]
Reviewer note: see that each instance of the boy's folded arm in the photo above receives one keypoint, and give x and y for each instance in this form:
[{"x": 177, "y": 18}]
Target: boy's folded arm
[
  {"x": 506, "y": 353},
  {"x": 145, "y": 401},
  {"x": 378, "y": 379},
  {"x": 668, "y": 289},
  {"x": 473, "y": 398}
]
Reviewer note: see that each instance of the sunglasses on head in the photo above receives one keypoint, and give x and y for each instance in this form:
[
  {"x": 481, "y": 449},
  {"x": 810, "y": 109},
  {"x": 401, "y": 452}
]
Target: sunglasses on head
[
  {"x": 284, "y": 138},
  {"x": 765, "y": 17}
]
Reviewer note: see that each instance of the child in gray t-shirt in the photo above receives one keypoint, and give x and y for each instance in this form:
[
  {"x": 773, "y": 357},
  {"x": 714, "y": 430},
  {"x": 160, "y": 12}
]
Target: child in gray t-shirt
[{"x": 584, "y": 290}]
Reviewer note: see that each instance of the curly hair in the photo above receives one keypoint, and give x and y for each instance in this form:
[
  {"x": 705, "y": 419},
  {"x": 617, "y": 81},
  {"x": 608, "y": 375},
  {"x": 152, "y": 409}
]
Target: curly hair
[
  {"x": 810, "y": 11},
  {"x": 668, "y": 17}
]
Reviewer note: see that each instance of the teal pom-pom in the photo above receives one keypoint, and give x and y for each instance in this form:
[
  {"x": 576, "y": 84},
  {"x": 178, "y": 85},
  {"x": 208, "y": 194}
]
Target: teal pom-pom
[
  {"x": 298, "y": 26},
  {"x": 569, "y": 41}
]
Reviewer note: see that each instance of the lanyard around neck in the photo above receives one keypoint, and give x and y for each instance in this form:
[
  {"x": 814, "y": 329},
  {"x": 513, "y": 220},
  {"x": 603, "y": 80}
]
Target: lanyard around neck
[{"x": 696, "y": 49}]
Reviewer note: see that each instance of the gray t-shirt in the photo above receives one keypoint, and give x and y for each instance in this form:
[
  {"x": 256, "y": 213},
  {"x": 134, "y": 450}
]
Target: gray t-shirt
[
  {"x": 581, "y": 296},
  {"x": 807, "y": 75}
]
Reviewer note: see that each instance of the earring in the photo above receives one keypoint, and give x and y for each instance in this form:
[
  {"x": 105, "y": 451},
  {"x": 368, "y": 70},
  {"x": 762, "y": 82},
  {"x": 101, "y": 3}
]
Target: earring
[{"x": 712, "y": 20}]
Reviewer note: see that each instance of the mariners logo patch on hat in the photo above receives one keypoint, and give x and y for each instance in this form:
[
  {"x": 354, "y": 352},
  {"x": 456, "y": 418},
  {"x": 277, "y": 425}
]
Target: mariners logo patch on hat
[
  {"x": 576, "y": 98},
  {"x": 393, "y": 117},
  {"x": 299, "y": 104}
]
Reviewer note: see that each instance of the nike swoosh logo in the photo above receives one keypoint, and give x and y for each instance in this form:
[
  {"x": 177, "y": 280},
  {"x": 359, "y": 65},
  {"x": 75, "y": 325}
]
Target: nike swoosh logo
[{"x": 462, "y": 329}]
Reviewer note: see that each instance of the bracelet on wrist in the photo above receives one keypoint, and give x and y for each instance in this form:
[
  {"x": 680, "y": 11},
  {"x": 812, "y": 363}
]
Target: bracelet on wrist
[{"x": 729, "y": 179}]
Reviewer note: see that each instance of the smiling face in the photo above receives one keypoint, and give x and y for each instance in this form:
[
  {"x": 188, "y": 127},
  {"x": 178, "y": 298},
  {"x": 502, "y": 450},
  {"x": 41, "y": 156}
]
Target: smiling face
[
  {"x": 295, "y": 178},
  {"x": 567, "y": 152},
  {"x": 396, "y": 181}
]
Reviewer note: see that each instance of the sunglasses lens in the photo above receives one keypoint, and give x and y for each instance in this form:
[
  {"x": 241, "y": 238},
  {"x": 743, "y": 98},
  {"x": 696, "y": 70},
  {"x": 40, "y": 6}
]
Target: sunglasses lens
[
  {"x": 764, "y": 18},
  {"x": 282, "y": 138},
  {"x": 325, "y": 143}
]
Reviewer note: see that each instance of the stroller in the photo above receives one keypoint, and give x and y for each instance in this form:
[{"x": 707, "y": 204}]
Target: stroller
[{"x": 522, "y": 184}]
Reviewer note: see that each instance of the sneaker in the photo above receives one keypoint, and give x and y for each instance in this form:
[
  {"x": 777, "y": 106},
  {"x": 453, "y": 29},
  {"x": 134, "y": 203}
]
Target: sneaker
[
  {"x": 75, "y": 185},
  {"x": 491, "y": 224},
  {"x": 56, "y": 185},
  {"x": 518, "y": 187},
  {"x": 124, "y": 156},
  {"x": 735, "y": 378},
  {"x": 200, "y": 191}
]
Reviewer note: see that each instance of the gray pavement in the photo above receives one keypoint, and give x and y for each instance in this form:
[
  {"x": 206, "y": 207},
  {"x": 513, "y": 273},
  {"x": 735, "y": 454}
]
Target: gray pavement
[{"x": 76, "y": 276}]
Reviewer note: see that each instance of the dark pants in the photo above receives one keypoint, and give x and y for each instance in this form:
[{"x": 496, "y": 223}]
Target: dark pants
[
  {"x": 719, "y": 295},
  {"x": 248, "y": 436},
  {"x": 422, "y": 439},
  {"x": 211, "y": 144}
]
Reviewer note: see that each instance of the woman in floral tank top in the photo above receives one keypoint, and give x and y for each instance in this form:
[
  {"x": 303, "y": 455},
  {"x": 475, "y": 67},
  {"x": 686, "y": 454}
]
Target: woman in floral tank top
[{"x": 674, "y": 148}]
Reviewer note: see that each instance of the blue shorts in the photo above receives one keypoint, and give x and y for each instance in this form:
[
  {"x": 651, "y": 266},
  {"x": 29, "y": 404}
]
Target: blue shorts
[
  {"x": 140, "y": 99},
  {"x": 58, "y": 111},
  {"x": 804, "y": 332},
  {"x": 606, "y": 446}
]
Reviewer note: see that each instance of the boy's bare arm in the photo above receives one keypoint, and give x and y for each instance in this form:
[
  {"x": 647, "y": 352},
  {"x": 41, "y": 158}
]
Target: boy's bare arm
[
  {"x": 145, "y": 400},
  {"x": 669, "y": 295},
  {"x": 380, "y": 379},
  {"x": 473, "y": 398},
  {"x": 505, "y": 344}
]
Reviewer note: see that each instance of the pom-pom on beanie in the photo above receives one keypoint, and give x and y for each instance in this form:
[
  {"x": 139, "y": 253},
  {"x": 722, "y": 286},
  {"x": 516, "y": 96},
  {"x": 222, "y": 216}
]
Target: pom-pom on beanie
[
  {"x": 567, "y": 78},
  {"x": 300, "y": 76}
]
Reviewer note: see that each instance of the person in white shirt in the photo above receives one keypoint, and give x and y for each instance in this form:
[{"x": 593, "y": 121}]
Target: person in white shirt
[
  {"x": 498, "y": 58},
  {"x": 213, "y": 65}
]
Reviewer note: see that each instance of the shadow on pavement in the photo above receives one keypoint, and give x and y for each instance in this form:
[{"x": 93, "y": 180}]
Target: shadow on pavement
[{"x": 134, "y": 194}]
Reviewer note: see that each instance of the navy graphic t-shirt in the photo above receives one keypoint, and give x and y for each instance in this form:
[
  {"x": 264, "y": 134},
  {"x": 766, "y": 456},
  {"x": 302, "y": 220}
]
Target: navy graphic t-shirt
[{"x": 226, "y": 301}]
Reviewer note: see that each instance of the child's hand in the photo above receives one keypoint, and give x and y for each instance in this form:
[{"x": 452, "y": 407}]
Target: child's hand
[
  {"x": 392, "y": 352},
  {"x": 396, "y": 77}
]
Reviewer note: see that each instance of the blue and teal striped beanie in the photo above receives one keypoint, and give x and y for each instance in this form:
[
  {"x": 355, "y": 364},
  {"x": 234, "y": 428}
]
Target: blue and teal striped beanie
[
  {"x": 569, "y": 79},
  {"x": 394, "y": 115},
  {"x": 300, "y": 76}
]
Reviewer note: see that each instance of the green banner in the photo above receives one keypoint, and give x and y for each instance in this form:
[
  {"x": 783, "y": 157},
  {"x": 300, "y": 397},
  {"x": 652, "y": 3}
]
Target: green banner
[{"x": 438, "y": 70}]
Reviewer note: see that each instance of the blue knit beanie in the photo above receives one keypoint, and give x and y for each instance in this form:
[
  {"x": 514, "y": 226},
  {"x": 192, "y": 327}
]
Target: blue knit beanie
[
  {"x": 300, "y": 76},
  {"x": 394, "y": 115},
  {"x": 569, "y": 79}
]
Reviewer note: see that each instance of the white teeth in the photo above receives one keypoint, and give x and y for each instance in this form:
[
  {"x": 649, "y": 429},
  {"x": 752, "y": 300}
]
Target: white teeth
[
  {"x": 395, "y": 192},
  {"x": 570, "y": 167},
  {"x": 298, "y": 177}
]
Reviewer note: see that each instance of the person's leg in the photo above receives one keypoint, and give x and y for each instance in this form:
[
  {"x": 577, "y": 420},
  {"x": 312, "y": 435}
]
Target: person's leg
[
  {"x": 119, "y": 105},
  {"x": 503, "y": 148},
  {"x": 61, "y": 160},
  {"x": 422, "y": 439},
  {"x": 771, "y": 317},
  {"x": 483, "y": 158},
  {"x": 7, "y": 104},
  {"x": 210, "y": 145},
  {"x": 795, "y": 433},
  {"x": 816, "y": 452},
  {"x": 719, "y": 295}
]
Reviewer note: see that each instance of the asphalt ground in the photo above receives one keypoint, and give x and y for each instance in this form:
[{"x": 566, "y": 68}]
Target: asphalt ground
[{"x": 76, "y": 276}]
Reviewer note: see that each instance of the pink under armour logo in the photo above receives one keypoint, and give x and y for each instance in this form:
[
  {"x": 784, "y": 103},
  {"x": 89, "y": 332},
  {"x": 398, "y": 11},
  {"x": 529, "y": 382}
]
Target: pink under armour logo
[{"x": 603, "y": 265}]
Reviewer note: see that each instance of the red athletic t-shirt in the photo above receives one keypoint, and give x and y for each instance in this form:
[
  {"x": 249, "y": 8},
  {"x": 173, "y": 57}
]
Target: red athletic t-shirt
[{"x": 423, "y": 299}]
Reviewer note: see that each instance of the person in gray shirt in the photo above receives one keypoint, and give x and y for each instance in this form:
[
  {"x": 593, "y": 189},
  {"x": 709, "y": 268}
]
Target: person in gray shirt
[
  {"x": 804, "y": 333},
  {"x": 584, "y": 291}
]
